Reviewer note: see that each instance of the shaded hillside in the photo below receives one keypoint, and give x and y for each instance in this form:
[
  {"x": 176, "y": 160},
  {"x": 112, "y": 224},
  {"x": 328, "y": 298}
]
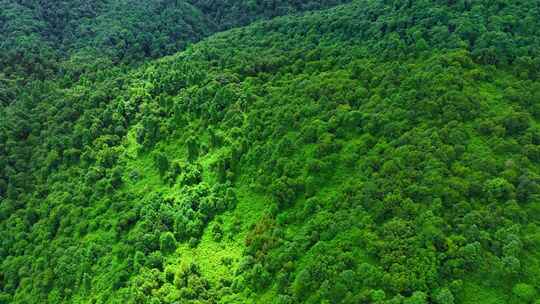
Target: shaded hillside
[{"x": 41, "y": 39}]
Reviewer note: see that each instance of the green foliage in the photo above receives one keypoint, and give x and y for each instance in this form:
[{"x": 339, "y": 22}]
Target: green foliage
[
  {"x": 161, "y": 162},
  {"x": 69, "y": 39},
  {"x": 444, "y": 296},
  {"x": 376, "y": 152},
  {"x": 192, "y": 148},
  {"x": 417, "y": 297},
  {"x": 524, "y": 292},
  {"x": 167, "y": 243}
]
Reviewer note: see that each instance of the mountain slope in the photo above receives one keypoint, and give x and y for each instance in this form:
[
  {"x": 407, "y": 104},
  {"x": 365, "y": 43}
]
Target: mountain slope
[
  {"x": 42, "y": 40},
  {"x": 377, "y": 152}
]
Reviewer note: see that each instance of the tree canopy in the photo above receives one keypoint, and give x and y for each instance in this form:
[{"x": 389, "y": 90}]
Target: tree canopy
[{"x": 370, "y": 152}]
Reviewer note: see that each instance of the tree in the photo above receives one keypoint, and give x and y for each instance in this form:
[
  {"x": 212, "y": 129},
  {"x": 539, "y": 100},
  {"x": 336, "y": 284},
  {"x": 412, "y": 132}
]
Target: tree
[
  {"x": 174, "y": 171},
  {"x": 161, "y": 162},
  {"x": 217, "y": 232},
  {"x": 139, "y": 259},
  {"x": 524, "y": 292},
  {"x": 511, "y": 265},
  {"x": 192, "y": 148},
  {"x": 284, "y": 191},
  {"x": 444, "y": 296},
  {"x": 167, "y": 242},
  {"x": 155, "y": 260},
  {"x": 499, "y": 189},
  {"x": 418, "y": 297},
  {"x": 302, "y": 283},
  {"x": 516, "y": 123},
  {"x": 378, "y": 296}
]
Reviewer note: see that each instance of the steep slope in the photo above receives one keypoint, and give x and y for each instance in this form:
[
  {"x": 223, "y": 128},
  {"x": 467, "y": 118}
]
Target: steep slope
[
  {"x": 377, "y": 152},
  {"x": 46, "y": 39}
]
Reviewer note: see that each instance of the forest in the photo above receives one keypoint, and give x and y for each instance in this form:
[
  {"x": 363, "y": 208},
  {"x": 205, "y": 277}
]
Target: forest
[{"x": 270, "y": 151}]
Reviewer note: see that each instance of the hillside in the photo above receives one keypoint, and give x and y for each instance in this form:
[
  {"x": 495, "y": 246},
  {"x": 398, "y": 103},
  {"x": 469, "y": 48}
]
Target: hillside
[
  {"x": 54, "y": 39},
  {"x": 373, "y": 152}
]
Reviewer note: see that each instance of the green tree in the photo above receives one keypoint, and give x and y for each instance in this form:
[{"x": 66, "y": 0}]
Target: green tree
[
  {"x": 167, "y": 242},
  {"x": 192, "y": 148},
  {"x": 417, "y": 297},
  {"x": 444, "y": 296},
  {"x": 524, "y": 292},
  {"x": 161, "y": 162}
]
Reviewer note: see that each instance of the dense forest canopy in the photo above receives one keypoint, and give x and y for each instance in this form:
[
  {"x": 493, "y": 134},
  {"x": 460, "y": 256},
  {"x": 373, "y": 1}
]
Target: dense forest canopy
[
  {"x": 41, "y": 39},
  {"x": 372, "y": 151}
]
